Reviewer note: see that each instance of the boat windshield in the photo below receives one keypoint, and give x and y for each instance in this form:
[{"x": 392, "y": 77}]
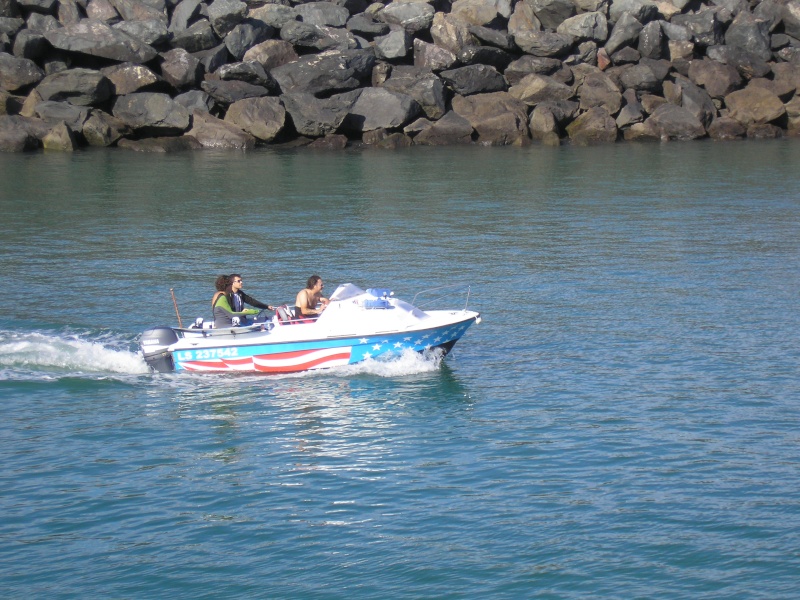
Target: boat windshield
[{"x": 346, "y": 291}]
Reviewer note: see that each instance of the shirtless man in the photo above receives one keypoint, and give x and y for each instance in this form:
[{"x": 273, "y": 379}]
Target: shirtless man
[{"x": 308, "y": 298}]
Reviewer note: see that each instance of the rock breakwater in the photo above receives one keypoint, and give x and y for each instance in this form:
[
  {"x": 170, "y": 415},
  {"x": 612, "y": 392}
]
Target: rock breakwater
[{"x": 165, "y": 75}]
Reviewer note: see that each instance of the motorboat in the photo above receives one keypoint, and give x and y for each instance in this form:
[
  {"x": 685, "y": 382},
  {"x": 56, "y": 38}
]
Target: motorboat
[{"x": 356, "y": 325}]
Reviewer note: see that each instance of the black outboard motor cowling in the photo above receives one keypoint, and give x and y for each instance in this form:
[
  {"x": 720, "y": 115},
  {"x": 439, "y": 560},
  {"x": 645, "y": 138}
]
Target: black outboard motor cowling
[{"x": 154, "y": 344}]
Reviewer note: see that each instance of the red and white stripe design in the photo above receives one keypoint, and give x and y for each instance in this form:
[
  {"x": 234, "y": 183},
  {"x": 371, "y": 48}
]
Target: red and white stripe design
[{"x": 282, "y": 362}]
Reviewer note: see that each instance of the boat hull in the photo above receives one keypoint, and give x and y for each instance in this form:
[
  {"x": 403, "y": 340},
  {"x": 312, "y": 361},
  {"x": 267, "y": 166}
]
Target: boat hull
[{"x": 276, "y": 357}]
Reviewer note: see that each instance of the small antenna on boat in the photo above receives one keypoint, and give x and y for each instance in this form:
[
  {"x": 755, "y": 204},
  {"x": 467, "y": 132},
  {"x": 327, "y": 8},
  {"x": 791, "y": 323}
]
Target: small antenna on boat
[{"x": 175, "y": 303}]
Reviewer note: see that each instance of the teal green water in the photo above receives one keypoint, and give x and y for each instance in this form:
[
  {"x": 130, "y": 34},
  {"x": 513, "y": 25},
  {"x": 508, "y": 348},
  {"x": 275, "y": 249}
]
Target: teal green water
[{"x": 623, "y": 423}]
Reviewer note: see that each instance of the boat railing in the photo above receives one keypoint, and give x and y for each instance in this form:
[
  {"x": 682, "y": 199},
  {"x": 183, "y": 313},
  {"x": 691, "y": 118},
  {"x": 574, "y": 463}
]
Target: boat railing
[{"x": 452, "y": 289}]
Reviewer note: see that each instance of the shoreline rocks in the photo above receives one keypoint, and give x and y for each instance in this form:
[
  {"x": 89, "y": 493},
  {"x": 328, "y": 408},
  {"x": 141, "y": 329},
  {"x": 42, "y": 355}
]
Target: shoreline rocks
[{"x": 169, "y": 75}]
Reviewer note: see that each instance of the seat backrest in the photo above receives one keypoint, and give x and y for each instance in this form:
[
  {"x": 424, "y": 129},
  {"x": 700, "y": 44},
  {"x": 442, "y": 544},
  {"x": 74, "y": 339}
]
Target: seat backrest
[{"x": 284, "y": 314}]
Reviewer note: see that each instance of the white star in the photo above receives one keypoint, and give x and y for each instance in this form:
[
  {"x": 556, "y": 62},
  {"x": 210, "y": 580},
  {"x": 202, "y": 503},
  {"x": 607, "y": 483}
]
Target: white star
[
  {"x": 438, "y": 338},
  {"x": 426, "y": 336},
  {"x": 363, "y": 341},
  {"x": 376, "y": 347},
  {"x": 367, "y": 355},
  {"x": 407, "y": 339},
  {"x": 398, "y": 345},
  {"x": 417, "y": 342}
]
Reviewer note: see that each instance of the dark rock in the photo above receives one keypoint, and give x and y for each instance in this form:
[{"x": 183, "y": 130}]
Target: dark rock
[
  {"x": 18, "y": 73},
  {"x": 433, "y": 57},
  {"x": 640, "y": 78},
  {"x": 10, "y": 104},
  {"x": 213, "y": 58},
  {"x": 641, "y": 132},
  {"x": 451, "y": 33},
  {"x": 652, "y": 42},
  {"x": 128, "y": 78},
  {"x": 725, "y": 128},
  {"x": 544, "y": 43},
  {"x": 395, "y": 45},
  {"x": 533, "y": 89},
  {"x": 47, "y": 7},
  {"x": 676, "y": 123},
  {"x": 263, "y": 118},
  {"x": 754, "y": 105},
  {"x": 228, "y": 92},
  {"x": 9, "y": 8},
  {"x": 488, "y": 13},
  {"x": 717, "y": 78},
  {"x": 134, "y": 10},
  {"x": 181, "y": 69},
  {"x": 224, "y": 15},
  {"x": 543, "y": 124},
  {"x": 380, "y": 108},
  {"x": 216, "y": 133},
  {"x": 564, "y": 111},
  {"x": 34, "y": 127},
  {"x": 528, "y": 65},
  {"x": 152, "y": 32},
  {"x": 493, "y": 37},
  {"x": 271, "y": 53},
  {"x": 316, "y": 117},
  {"x": 101, "y": 129},
  {"x": 79, "y": 86},
  {"x": 791, "y": 19},
  {"x": 197, "y": 37},
  {"x": 68, "y": 12},
  {"x": 102, "y": 10},
  {"x": 598, "y": 89},
  {"x": 249, "y": 72},
  {"x": 474, "y": 79},
  {"x": 95, "y": 38},
  {"x": 412, "y": 16},
  {"x": 316, "y": 37},
  {"x": 770, "y": 11},
  {"x": 60, "y": 138},
  {"x": 422, "y": 85},
  {"x": 151, "y": 114},
  {"x": 364, "y": 25},
  {"x": 499, "y": 119},
  {"x": 323, "y": 13},
  {"x": 245, "y": 35},
  {"x": 185, "y": 13},
  {"x": 13, "y": 139},
  {"x": 274, "y": 15},
  {"x": 595, "y": 126},
  {"x": 326, "y": 73},
  {"x": 626, "y": 56},
  {"x": 451, "y": 129},
  {"x": 195, "y": 100},
  {"x": 11, "y": 25},
  {"x": 330, "y": 142},
  {"x": 643, "y": 11},
  {"x": 589, "y": 26},
  {"x": 626, "y": 31},
  {"x": 764, "y": 131},
  {"x": 693, "y": 98},
  {"x": 162, "y": 145},
  {"x": 37, "y": 23},
  {"x": 750, "y": 34},
  {"x": 782, "y": 88},
  {"x": 485, "y": 55},
  {"x": 52, "y": 112},
  {"x": 632, "y": 112},
  {"x": 748, "y": 65},
  {"x": 551, "y": 13},
  {"x": 705, "y": 27}
]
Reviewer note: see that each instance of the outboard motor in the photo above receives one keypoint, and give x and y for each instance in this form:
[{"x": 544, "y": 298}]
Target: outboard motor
[{"x": 154, "y": 344}]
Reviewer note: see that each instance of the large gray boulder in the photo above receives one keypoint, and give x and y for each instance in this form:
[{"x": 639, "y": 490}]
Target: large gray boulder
[
  {"x": 754, "y": 105},
  {"x": 412, "y": 16},
  {"x": 749, "y": 65},
  {"x": 533, "y": 89},
  {"x": 422, "y": 85},
  {"x": 52, "y": 113},
  {"x": 750, "y": 34},
  {"x": 102, "y": 10},
  {"x": 643, "y": 11},
  {"x": 451, "y": 33},
  {"x": 598, "y": 89},
  {"x": 197, "y": 37},
  {"x": 595, "y": 126},
  {"x": 134, "y": 10},
  {"x": 245, "y": 35},
  {"x": 485, "y": 55},
  {"x": 433, "y": 57},
  {"x": 323, "y": 13},
  {"x": 28, "y": 44},
  {"x": 317, "y": 117},
  {"x": 271, "y": 53},
  {"x": 15, "y": 139},
  {"x": 224, "y": 15},
  {"x": 212, "y": 132},
  {"x": 250, "y": 72},
  {"x": 364, "y": 25},
  {"x": 314, "y": 37},
  {"x": 152, "y": 32},
  {"x": 380, "y": 108},
  {"x": 451, "y": 129},
  {"x": 82, "y": 87},
  {"x": 652, "y": 42},
  {"x": 18, "y": 73},
  {"x": 227, "y": 92},
  {"x": 717, "y": 78},
  {"x": 676, "y": 123},
  {"x": 151, "y": 113},
  {"x": 274, "y": 15},
  {"x": 692, "y": 97},
  {"x": 530, "y": 65},
  {"x": 585, "y": 26},
  {"x": 551, "y": 13},
  {"x": 181, "y": 69},
  {"x": 624, "y": 33},
  {"x": 544, "y": 43},
  {"x": 263, "y": 118},
  {"x": 474, "y": 79},
  {"x": 725, "y": 128},
  {"x": 326, "y": 73},
  {"x": 96, "y": 38},
  {"x": 498, "y": 118},
  {"x": 791, "y": 18},
  {"x": 395, "y": 45},
  {"x": 706, "y": 28},
  {"x": 101, "y": 129},
  {"x": 489, "y": 13},
  {"x": 492, "y": 37},
  {"x": 184, "y": 14}
]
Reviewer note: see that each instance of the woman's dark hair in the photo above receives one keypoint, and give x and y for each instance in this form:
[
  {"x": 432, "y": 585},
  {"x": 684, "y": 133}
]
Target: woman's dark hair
[{"x": 222, "y": 283}]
